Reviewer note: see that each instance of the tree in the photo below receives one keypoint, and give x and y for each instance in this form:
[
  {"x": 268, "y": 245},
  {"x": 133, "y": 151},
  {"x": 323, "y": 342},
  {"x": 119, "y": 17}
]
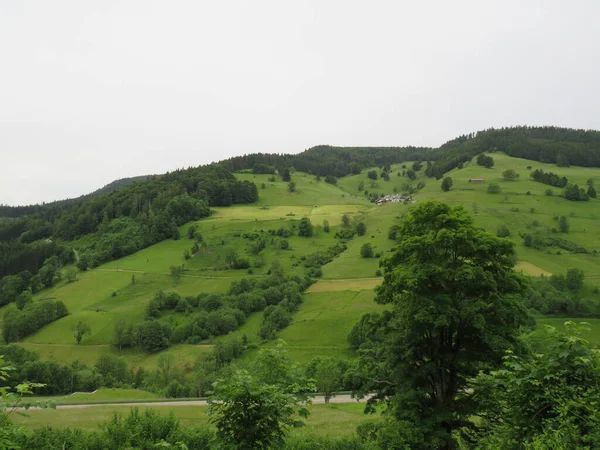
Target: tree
[
  {"x": 331, "y": 179},
  {"x": 81, "y": 329},
  {"x": 328, "y": 375},
  {"x": 176, "y": 272},
  {"x": 231, "y": 258},
  {"x": 285, "y": 175},
  {"x": 563, "y": 224},
  {"x": 122, "y": 334},
  {"x": 372, "y": 174},
  {"x": 325, "y": 225},
  {"x": 591, "y": 192},
  {"x": 574, "y": 279},
  {"x": 292, "y": 186},
  {"x": 485, "y": 161},
  {"x": 366, "y": 250},
  {"x": 446, "y": 184},
  {"x": 345, "y": 220},
  {"x": 510, "y": 175},
  {"x": 256, "y": 409},
  {"x": 70, "y": 274},
  {"x": 361, "y": 228},
  {"x": 544, "y": 400},
  {"x": 416, "y": 166},
  {"x": 411, "y": 174},
  {"x": 454, "y": 311},
  {"x": 305, "y": 228},
  {"x": 494, "y": 188}
]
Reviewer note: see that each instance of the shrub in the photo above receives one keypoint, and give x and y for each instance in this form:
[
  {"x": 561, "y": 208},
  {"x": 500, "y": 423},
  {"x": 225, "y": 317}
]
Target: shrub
[
  {"x": 494, "y": 188},
  {"x": 366, "y": 251},
  {"x": 502, "y": 231}
]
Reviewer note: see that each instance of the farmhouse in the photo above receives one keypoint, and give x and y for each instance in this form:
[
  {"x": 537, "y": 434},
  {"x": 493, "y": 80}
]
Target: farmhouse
[
  {"x": 476, "y": 180},
  {"x": 393, "y": 198}
]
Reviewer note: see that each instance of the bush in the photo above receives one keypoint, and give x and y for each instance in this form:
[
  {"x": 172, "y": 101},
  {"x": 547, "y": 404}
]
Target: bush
[
  {"x": 366, "y": 251},
  {"x": 494, "y": 188},
  {"x": 502, "y": 231},
  {"x": 361, "y": 229}
]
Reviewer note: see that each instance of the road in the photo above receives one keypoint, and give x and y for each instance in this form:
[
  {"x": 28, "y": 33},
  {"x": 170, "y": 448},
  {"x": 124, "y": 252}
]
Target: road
[{"x": 344, "y": 398}]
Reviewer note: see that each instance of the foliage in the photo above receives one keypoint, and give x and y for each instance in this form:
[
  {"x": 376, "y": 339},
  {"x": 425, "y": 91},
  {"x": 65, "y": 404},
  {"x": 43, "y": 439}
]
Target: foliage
[
  {"x": 509, "y": 175},
  {"x": 292, "y": 186},
  {"x": 18, "y": 324},
  {"x": 81, "y": 329},
  {"x": 361, "y": 228},
  {"x": 547, "y": 399},
  {"x": 446, "y": 184},
  {"x": 502, "y": 231},
  {"x": 366, "y": 250},
  {"x": 452, "y": 291},
  {"x": 563, "y": 224},
  {"x": 485, "y": 161},
  {"x": 576, "y": 194},
  {"x": 494, "y": 188},
  {"x": 328, "y": 373},
  {"x": 305, "y": 228},
  {"x": 256, "y": 410}
]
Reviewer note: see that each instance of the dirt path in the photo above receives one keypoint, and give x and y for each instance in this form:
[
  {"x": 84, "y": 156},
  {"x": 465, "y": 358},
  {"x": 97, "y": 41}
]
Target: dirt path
[{"x": 344, "y": 398}]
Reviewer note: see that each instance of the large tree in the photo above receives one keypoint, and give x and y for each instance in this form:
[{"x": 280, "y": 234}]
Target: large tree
[{"x": 455, "y": 310}]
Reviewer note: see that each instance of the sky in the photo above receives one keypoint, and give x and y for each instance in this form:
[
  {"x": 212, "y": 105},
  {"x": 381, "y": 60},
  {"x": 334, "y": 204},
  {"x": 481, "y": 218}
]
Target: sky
[{"x": 93, "y": 91}]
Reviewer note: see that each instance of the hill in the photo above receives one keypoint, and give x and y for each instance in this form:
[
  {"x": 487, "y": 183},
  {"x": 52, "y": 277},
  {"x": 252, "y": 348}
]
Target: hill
[{"x": 321, "y": 285}]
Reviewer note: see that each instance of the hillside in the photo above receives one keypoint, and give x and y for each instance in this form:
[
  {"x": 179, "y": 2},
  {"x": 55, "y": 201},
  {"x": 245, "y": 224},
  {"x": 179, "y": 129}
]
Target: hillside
[{"x": 333, "y": 304}]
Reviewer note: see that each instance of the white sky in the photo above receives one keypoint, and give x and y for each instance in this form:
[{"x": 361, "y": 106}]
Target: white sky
[{"x": 92, "y": 91}]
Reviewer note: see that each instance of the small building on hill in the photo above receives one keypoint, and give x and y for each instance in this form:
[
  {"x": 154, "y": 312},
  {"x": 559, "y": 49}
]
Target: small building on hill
[
  {"x": 476, "y": 180},
  {"x": 393, "y": 198}
]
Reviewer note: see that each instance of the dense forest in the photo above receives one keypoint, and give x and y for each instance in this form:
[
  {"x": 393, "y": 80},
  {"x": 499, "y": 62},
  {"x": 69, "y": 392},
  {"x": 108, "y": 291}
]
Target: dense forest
[{"x": 114, "y": 225}]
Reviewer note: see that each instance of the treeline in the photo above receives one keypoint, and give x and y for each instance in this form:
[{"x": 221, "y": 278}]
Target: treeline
[
  {"x": 324, "y": 160},
  {"x": 20, "y": 323},
  {"x": 549, "y": 178},
  {"x": 561, "y": 146}
]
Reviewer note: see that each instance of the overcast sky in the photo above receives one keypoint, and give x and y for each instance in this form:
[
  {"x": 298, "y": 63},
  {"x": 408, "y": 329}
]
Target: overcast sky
[{"x": 92, "y": 91}]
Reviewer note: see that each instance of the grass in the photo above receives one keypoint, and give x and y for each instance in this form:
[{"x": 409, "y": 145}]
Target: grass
[
  {"x": 559, "y": 323},
  {"x": 355, "y": 284},
  {"x": 336, "y": 420}
]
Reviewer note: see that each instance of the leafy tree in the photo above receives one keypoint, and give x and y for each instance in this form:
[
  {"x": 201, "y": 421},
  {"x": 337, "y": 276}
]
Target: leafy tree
[
  {"x": 372, "y": 174},
  {"x": 285, "y": 174},
  {"x": 361, "y": 228},
  {"x": 305, "y": 228},
  {"x": 510, "y": 175},
  {"x": 416, "y": 166},
  {"x": 366, "y": 251},
  {"x": 70, "y": 275},
  {"x": 231, "y": 258},
  {"x": 325, "y": 225},
  {"x": 574, "y": 279},
  {"x": 411, "y": 174},
  {"x": 328, "y": 375},
  {"x": 563, "y": 224},
  {"x": 331, "y": 179},
  {"x": 81, "y": 329},
  {"x": 446, "y": 184},
  {"x": 591, "y": 192},
  {"x": 122, "y": 334},
  {"x": 494, "y": 188},
  {"x": 576, "y": 194},
  {"x": 176, "y": 272},
  {"x": 256, "y": 410},
  {"x": 544, "y": 400},
  {"x": 451, "y": 288},
  {"x": 485, "y": 161},
  {"x": 345, "y": 220},
  {"x": 292, "y": 186},
  {"x": 549, "y": 192}
]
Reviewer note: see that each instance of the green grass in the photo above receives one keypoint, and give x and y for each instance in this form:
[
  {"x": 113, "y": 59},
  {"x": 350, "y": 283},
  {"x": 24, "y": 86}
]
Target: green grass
[
  {"x": 593, "y": 335},
  {"x": 322, "y": 324},
  {"x": 336, "y": 420}
]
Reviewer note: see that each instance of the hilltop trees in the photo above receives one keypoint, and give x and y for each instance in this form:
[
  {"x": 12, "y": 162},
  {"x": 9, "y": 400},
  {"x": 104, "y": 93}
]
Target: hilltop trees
[{"x": 450, "y": 286}]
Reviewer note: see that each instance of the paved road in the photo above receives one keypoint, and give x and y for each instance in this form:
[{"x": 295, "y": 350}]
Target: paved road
[{"x": 344, "y": 398}]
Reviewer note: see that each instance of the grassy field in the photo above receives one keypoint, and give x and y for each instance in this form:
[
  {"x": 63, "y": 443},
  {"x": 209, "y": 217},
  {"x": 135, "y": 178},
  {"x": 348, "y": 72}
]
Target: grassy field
[{"x": 335, "y": 420}]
